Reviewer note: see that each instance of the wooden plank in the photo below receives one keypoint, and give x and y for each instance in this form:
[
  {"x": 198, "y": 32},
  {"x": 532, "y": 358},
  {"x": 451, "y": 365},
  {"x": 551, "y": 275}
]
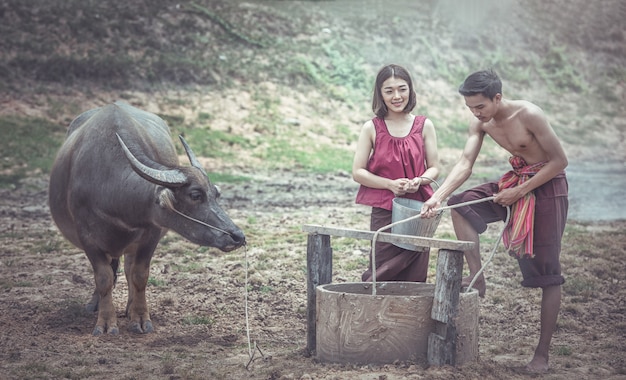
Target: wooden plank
[
  {"x": 442, "y": 348},
  {"x": 442, "y": 343},
  {"x": 437, "y": 350},
  {"x": 447, "y": 285},
  {"x": 457, "y": 245},
  {"x": 319, "y": 272}
]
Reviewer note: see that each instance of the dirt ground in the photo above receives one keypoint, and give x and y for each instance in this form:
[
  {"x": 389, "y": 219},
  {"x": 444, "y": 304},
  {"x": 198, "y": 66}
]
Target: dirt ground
[
  {"x": 210, "y": 325},
  {"x": 198, "y": 299}
]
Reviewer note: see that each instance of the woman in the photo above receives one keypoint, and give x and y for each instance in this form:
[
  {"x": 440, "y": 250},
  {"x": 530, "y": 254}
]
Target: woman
[{"x": 396, "y": 156}]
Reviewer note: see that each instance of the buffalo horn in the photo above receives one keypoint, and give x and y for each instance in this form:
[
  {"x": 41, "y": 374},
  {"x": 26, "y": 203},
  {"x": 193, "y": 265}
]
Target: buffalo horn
[
  {"x": 192, "y": 157},
  {"x": 167, "y": 178}
]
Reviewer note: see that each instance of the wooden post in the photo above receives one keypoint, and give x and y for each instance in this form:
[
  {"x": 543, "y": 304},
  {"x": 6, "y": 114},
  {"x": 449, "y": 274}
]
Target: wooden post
[
  {"x": 442, "y": 343},
  {"x": 319, "y": 263}
]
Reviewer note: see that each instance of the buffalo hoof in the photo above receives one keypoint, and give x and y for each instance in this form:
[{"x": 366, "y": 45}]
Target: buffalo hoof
[
  {"x": 147, "y": 327},
  {"x": 99, "y": 330},
  {"x": 136, "y": 328}
]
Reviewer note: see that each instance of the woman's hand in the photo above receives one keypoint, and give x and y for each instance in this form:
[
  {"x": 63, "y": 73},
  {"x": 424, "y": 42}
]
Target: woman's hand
[
  {"x": 399, "y": 186},
  {"x": 413, "y": 185}
]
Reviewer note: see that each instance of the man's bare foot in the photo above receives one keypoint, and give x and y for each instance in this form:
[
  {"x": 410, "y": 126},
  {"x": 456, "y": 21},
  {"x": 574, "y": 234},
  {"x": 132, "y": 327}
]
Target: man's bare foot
[
  {"x": 479, "y": 285},
  {"x": 539, "y": 364}
]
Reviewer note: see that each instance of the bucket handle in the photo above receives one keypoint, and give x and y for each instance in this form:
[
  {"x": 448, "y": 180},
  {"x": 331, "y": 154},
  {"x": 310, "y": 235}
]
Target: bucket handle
[{"x": 430, "y": 179}]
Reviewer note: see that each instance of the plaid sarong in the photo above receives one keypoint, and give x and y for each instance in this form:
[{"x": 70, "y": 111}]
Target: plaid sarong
[{"x": 518, "y": 234}]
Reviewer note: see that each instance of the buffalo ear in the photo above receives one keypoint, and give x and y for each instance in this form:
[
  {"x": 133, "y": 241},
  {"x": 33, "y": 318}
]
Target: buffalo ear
[{"x": 166, "y": 198}]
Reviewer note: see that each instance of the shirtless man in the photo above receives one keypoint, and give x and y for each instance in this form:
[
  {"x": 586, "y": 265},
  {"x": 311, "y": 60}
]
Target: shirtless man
[{"x": 539, "y": 161}]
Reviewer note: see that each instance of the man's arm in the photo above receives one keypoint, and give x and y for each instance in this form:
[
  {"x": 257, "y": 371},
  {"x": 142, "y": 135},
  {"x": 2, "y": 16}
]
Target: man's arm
[{"x": 460, "y": 172}]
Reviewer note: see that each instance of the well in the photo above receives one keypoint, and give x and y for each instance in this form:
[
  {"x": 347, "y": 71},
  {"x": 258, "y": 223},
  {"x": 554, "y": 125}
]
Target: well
[{"x": 354, "y": 326}]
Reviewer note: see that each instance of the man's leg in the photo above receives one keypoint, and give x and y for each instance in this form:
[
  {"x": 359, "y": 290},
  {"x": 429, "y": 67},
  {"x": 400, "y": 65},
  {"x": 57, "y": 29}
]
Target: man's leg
[
  {"x": 550, "y": 306},
  {"x": 465, "y": 231}
]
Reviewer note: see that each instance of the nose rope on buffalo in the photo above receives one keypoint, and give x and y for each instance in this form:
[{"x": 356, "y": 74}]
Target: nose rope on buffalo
[
  {"x": 200, "y": 222},
  {"x": 493, "y": 251},
  {"x": 251, "y": 351}
]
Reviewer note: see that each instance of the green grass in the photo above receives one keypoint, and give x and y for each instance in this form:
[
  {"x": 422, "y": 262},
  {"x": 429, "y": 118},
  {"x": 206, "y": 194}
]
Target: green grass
[
  {"x": 283, "y": 153},
  {"x": 580, "y": 287},
  {"x": 209, "y": 143},
  {"x": 216, "y": 177},
  {"x": 28, "y": 145},
  {"x": 198, "y": 320},
  {"x": 453, "y": 135},
  {"x": 152, "y": 281},
  {"x": 563, "y": 350}
]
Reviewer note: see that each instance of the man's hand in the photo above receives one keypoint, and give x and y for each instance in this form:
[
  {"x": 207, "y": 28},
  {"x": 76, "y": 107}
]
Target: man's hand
[
  {"x": 507, "y": 197},
  {"x": 429, "y": 208}
]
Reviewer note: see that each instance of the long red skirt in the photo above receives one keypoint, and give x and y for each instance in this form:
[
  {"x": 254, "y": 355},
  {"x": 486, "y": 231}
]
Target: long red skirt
[{"x": 395, "y": 263}]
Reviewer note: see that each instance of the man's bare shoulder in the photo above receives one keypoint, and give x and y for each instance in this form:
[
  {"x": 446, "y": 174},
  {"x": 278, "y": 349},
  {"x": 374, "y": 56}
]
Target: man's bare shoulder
[
  {"x": 526, "y": 109},
  {"x": 478, "y": 127}
]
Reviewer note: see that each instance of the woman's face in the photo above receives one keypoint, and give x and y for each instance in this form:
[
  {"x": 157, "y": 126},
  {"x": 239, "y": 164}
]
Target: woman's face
[{"x": 395, "y": 93}]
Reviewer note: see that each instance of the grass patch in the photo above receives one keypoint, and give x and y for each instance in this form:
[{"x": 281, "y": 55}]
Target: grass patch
[
  {"x": 354, "y": 263},
  {"x": 153, "y": 281},
  {"x": 28, "y": 145},
  {"x": 216, "y": 177},
  {"x": 209, "y": 143},
  {"x": 580, "y": 287},
  {"x": 319, "y": 159},
  {"x": 559, "y": 73},
  {"x": 454, "y": 136},
  {"x": 198, "y": 320},
  {"x": 189, "y": 267},
  {"x": 563, "y": 351}
]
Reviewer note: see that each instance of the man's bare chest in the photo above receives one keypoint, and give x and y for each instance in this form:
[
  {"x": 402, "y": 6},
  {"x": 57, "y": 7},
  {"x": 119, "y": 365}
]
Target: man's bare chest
[{"x": 515, "y": 138}]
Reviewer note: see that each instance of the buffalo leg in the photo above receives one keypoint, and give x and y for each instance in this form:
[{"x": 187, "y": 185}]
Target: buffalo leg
[
  {"x": 102, "y": 299},
  {"x": 137, "y": 271},
  {"x": 92, "y": 305}
]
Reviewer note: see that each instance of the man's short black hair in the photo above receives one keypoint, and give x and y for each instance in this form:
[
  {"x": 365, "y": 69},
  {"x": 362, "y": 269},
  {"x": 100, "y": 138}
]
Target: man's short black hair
[{"x": 484, "y": 82}]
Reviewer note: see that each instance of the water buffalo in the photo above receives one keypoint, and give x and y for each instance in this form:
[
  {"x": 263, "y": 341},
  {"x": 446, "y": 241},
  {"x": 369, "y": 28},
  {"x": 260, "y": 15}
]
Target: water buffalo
[{"x": 116, "y": 187}]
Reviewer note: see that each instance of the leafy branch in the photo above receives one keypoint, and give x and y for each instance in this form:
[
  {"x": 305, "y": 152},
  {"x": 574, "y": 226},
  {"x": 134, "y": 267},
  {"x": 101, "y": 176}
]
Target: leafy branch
[{"x": 224, "y": 25}]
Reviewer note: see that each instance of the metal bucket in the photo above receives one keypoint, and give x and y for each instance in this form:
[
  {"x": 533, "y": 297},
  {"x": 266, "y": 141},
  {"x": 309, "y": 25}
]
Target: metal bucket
[{"x": 404, "y": 208}]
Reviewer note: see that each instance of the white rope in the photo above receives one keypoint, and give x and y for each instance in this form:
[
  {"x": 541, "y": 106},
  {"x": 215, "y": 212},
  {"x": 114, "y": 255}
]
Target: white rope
[
  {"x": 493, "y": 250},
  {"x": 252, "y": 346},
  {"x": 251, "y": 350},
  {"x": 199, "y": 221},
  {"x": 246, "y": 304},
  {"x": 437, "y": 210}
]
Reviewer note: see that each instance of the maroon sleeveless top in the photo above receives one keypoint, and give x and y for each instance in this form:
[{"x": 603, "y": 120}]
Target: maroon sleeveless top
[{"x": 393, "y": 158}]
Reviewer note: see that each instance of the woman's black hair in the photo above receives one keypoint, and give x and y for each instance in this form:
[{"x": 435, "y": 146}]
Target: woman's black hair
[{"x": 391, "y": 71}]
